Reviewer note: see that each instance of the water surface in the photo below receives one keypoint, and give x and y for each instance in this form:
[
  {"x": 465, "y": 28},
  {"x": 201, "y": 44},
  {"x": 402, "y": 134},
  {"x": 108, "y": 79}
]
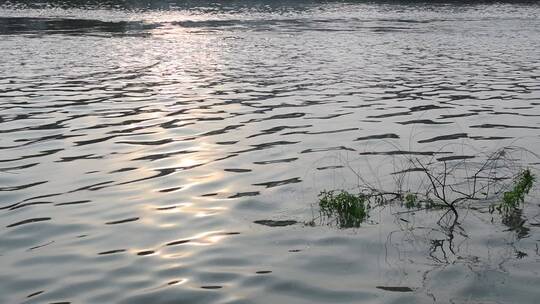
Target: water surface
[{"x": 146, "y": 152}]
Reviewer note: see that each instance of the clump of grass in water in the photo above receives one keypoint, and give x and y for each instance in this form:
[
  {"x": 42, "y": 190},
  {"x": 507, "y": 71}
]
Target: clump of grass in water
[
  {"x": 512, "y": 199},
  {"x": 348, "y": 210},
  {"x": 411, "y": 201}
]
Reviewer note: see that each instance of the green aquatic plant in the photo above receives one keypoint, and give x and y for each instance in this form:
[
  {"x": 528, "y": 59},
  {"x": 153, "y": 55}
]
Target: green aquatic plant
[
  {"x": 411, "y": 201},
  {"x": 347, "y": 209},
  {"x": 512, "y": 199}
]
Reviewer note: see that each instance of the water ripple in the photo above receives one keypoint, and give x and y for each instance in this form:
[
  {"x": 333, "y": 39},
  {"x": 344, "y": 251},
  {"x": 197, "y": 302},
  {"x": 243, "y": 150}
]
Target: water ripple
[{"x": 172, "y": 151}]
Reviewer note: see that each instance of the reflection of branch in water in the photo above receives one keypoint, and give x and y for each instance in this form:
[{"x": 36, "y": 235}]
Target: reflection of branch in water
[
  {"x": 515, "y": 222},
  {"x": 438, "y": 244},
  {"x": 448, "y": 225},
  {"x": 438, "y": 250},
  {"x": 435, "y": 243}
]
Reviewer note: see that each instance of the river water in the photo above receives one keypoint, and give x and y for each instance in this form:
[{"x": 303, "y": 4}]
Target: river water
[{"x": 145, "y": 151}]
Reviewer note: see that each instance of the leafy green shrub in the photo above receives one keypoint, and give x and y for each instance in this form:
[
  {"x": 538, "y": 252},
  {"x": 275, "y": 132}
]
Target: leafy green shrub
[
  {"x": 522, "y": 185},
  {"x": 349, "y": 210}
]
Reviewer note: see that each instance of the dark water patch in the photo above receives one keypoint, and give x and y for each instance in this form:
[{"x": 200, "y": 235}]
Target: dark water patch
[
  {"x": 404, "y": 152},
  {"x": 10, "y": 206},
  {"x": 329, "y": 167},
  {"x": 455, "y": 157},
  {"x": 245, "y": 194},
  {"x": 281, "y": 116},
  {"x": 363, "y": 105},
  {"x": 166, "y": 208},
  {"x": 267, "y": 145},
  {"x": 73, "y": 203},
  {"x": 390, "y": 115},
  {"x": 502, "y": 126},
  {"x": 489, "y": 137},
  {"x": 519, "y": 108},
  {"x": 210, "y": 118},
  {"x": 339, "y": 148},
  {"x": 145, "y": 252},
  {"x": 174, "y": 113},
  {"x": 29, "y": 221},
  {"x": 489, "y": 110},
  {"x": 321, "y": 132},
  {"x": 109, "y": 125},
  {"x": 387, "y": 29},
  {"x": 147, "y": 143},
  {"x": 22, "y": 205},
  {"x": 410, "y": 170},
  {"x": 211, "y": 287},
  {"x": 172, "y": 189},
  {"x": 21, "y": 167},
  {"x": 37, "y": 293},
  {"x": 94, "y": 141},
  {"x": 160, "y": 173},
  {"x": 422, "y": 121},
  {"x": 180, "y": 242},
  {"x": 232, "y": 142},
  {"x": 112, "y": 251},
  {"x": 129, "y": 132},
  {"x": 158, "y": 156},
  {"x": 28, "y": 142},
  {"x": 126, "y": 169},
  {"x": 515, "y": 113},
  {"x": 330, "y": 116},
  {"x": 237, "y": 170},
  {"x": 427, "y": 108},
  {"x": 405, "y": 20},
  {"x": 221, "y": 131},
  {"x": 40, "y": 154},
  {"x": 273, "y": 223},
  {"x": 279, "y": 183},
  {"x": 79, "y": 157},
  {"x": 209, "y": 194},
  {"x": 265, "y": 24},
  {"x": 278, "y": 129},
  {"x": 379, "y": 136},
  {"x": 224, "y": 157},
  {"x": 263, "y": 272},
  {"x": 276, "y": 161},
  {"x": 445, "y": 116},
  {"x": 131, "y": 219},
  {"x": 50, "y": 126},
  {"x": 395, "y": 288},
  {"x": 66, "y": 26},
  {"x": 30, "y": 199},
  {"x": 460, "y": 97},
  {"x": 444, "y": 137},
  {"x": 40, "y": 246},
  {"x": 92, "y": 187}
]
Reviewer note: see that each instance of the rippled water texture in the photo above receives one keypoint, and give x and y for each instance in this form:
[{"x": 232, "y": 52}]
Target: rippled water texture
[{"x": 170, "y": 154}]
